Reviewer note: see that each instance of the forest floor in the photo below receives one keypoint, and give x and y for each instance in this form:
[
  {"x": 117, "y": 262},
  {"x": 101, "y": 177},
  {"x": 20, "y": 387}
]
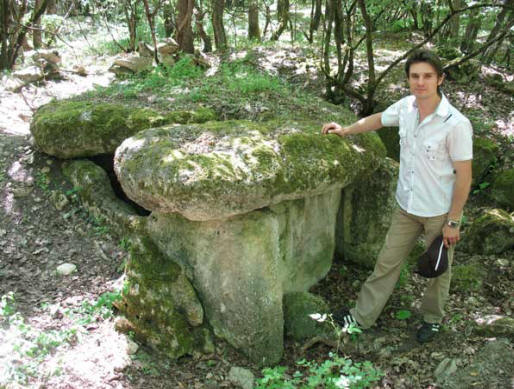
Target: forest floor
[{"x": 58, "y": 331}]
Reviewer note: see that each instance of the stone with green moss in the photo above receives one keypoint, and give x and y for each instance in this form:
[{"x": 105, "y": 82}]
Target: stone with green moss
[
  {"x": 365, "y": 214},
  {"x": 160, "y": 303},
  {"x": 298, "y": 308},
  {"x": 502, "y": 189},
  {"x": 71, "y": 129},
  {"x": 217, "y": 170},
  {"x": 491, "y": 233},
  {"x": 242, "y": 266},
  {"x": 485, "y": 152},
  {"x": 467, "y": 277},
  {"x": 92, "y": 184}
]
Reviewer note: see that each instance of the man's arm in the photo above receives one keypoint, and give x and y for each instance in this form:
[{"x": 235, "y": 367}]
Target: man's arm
[
  {"x": 369, "y": 123},
  {"x": 460, "y": 195}
]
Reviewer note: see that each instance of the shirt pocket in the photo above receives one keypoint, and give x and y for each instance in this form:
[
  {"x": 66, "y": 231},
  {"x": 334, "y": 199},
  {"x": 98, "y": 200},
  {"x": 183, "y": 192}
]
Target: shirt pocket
[{"x": 434, "y": 151}]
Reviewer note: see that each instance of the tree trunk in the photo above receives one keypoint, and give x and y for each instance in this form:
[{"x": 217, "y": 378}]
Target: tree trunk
[
  {"x": 206, "y": 39},
  {"x": 37, "y": 40},
  {"x": 470, "y": 36},
  {"x": 283, "y": 18},
  {"x": 185, "y": 30},
  {"x": 51, "y": 8},
  {"x": 150, "y": 16},
  {"x": 220, "y": 39},
  {"x": 454, "y": 24},
  {"x": 254, "y": 32},
  {"x": 169, "y": 22},
  {"x": 488, "y": 55}
]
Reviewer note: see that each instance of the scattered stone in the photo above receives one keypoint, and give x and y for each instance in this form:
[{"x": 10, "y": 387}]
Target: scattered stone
[
  {"x": 59, "y": 200},
  {"x": 29, "y": 74},
  {"x": 496, "y": 326},
  {"x": 66, "y": 269},
  {"x": 131, "y": 64},
  {"x": 132, "y": 347},
  {"x": 80, "y": 70},
  {"x": 145, "y": 50},
  {"x": 241, "y": 377},
  {"x": 446, "y": 368},
  {"x": 168, "y": 47},
  {"x": 13, "y": 84}
]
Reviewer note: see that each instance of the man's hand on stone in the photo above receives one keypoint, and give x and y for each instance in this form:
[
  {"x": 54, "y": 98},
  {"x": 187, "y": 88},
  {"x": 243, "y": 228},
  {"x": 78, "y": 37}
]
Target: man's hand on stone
[
  {"x": 334, "y": 128},
  {"x": 450, "y": 236}
]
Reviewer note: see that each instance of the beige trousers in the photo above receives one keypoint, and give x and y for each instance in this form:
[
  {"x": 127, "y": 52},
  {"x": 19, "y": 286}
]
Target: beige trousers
[{"x": 400, "y": 240}]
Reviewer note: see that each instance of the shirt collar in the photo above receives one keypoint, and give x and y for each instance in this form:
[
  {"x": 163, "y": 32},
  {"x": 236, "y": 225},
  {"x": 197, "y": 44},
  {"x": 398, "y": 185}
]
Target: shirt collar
[{"x": 442, "y": 109}]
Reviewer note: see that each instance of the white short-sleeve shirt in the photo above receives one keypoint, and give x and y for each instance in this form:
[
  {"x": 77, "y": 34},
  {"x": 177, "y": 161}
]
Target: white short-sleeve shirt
[{"x": 427, "y": 153}]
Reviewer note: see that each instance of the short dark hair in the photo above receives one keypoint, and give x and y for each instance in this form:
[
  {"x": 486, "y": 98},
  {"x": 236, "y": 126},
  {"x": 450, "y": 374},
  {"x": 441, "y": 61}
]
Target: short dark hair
[{"x": 423, "y": 55}]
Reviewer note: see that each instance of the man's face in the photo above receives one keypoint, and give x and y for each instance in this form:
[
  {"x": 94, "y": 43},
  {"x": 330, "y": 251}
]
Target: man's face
[{"x": 423, "y": 80}]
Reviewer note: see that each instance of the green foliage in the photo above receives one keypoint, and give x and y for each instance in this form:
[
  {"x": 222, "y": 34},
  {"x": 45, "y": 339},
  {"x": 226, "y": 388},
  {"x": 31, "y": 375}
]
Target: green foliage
[
  {"x": 481, "y": 187},
  {"x": 103, "y": 307},
  {"x": 7, "y": 307},
  {"x": 43, "y": 181},
  {"x": 403, "y": 314},
  {"x": 334, "y": 372},
  {"x": 467, "y": 278}
]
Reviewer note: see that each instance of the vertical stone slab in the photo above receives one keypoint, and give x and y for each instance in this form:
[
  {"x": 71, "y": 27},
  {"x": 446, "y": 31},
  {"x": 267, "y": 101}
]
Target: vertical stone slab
[
  {"x": 235, "y": 268},
  {"x": 307, "y": 238}
]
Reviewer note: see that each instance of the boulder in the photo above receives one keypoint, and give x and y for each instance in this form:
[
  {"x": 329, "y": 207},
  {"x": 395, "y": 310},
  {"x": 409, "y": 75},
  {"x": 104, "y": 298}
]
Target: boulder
[
  {"x": 485, "y": 153},
  {"x": 365, "y": 214},
  {"x": 298, "y": 308},
  {"x": 491, "y": 233},
  {"x": 29, "y": 74},
  {"x": 217, "y": 170},
  {"x": 502, "y": 189},
  {"x": 145, "y": 50},
  {"x": 168, "y": 47},
  {"x": 71, "y": 129},
  {"x": 50, "y": 56},
  {"x": 131, "y": 64}
]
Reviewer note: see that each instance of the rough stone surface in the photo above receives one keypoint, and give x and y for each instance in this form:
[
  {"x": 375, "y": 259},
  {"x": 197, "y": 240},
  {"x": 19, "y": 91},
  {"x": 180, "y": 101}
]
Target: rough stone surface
[
  {"x": 217, "y": 170},
  {"x": 29, "y": 74},
  {"x": 298, "y": 307},
  {"x": 445, "y": 369},
  {"x": 51, "y": 56},
  {"x": 491, "y": 233},
  {"x": 71, "y": 129},
  {"x": 492, "y": 367},
  {"x": 485, "y": 153},
  {"x": 496, "y": 326},
  {"x": 502, "y": 189},
  {"x": 159, "y": 303},
  {"x": 241, "y": 377},
  {"x": 365, "y": 214},
  {"x": 242, "y": 266},
  {"x": 66, "y": 269},
  {"x": 130, "y": 64}
]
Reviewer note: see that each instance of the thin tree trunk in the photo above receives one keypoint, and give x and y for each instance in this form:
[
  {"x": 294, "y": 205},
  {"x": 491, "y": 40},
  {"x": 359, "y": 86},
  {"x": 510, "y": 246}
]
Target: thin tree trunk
[
  {"x": 150, "y": 16},
  {"x": 185, "y": 30},
  {"x": 220, "y": 39},
  {"x": 371, "y": 59},
  {"x": 470, "y": 36},
  {"x": 488, "y": 55},
  {"x": 315, "y": 18},
  {"x": 37, "y": 40},
  {"x": 253, "y": 21},
  {"x": 169, "y": 23},
  {"x": 207, "y": 42},
  {"x": 283, "y": 17}
]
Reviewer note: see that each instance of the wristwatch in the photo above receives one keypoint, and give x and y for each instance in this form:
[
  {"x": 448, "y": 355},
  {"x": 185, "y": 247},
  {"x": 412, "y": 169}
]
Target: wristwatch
[{"x": 453, "y": 223}]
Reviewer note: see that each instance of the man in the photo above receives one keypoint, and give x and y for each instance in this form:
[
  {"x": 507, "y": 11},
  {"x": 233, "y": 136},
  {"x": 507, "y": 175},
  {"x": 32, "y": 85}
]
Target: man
[{"x": 433, "y": 186}]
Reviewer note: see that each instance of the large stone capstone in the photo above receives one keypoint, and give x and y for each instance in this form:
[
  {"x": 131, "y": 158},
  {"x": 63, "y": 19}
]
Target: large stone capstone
[
  {"x": 217, "y": 170},
  {"x": 72, "y": 129}
]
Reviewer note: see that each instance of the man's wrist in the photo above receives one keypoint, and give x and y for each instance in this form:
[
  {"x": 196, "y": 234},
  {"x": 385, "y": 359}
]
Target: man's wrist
[{"x": 453, "y": 223}]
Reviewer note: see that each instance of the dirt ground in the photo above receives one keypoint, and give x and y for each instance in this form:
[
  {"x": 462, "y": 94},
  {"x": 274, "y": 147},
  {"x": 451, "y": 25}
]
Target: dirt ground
[{"x": 58, "y": 341}]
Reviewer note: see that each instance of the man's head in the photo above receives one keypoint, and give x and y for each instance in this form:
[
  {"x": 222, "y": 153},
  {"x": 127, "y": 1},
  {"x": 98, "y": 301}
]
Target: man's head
[{"x": 424, "y": 72}]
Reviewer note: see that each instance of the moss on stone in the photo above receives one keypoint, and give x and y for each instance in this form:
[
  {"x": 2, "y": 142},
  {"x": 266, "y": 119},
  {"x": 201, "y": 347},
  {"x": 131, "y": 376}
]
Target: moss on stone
[
  {"x": 297, "y": 310},
  {"x": 467, "y": 277},
  {"x": 502, "y": 189},
  {"x": 70, "y": 129},
  {"x": 485, "y": 153},
  {"x": 391, "y": 140},
  {"x": 491, "y": 233},
  {"x": 150, "y": 301}
]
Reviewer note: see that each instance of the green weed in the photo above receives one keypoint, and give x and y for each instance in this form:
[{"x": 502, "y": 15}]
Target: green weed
[
  {"x": 403, "y": 314},
  {"x": 334, "y": 372},
  {"x": 43, "y": 181}
]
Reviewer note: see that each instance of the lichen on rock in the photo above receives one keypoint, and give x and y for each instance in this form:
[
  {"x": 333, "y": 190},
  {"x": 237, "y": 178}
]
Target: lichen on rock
[
  {"x": 71, "y": 129},
  {"x": 217, "y": 170}
]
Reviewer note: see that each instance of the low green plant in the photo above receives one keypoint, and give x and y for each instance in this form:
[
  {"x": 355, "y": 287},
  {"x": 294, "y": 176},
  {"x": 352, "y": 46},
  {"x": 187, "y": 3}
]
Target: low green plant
[
  {"x": 7, "y": 307},
  {"x": 403, "y": 314},
  {"x": 334, "y": 372},
  {"x": 43, "y": 181},
  {"x": 481, "y": 187},
  {"x": 102, "y": 307}
]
